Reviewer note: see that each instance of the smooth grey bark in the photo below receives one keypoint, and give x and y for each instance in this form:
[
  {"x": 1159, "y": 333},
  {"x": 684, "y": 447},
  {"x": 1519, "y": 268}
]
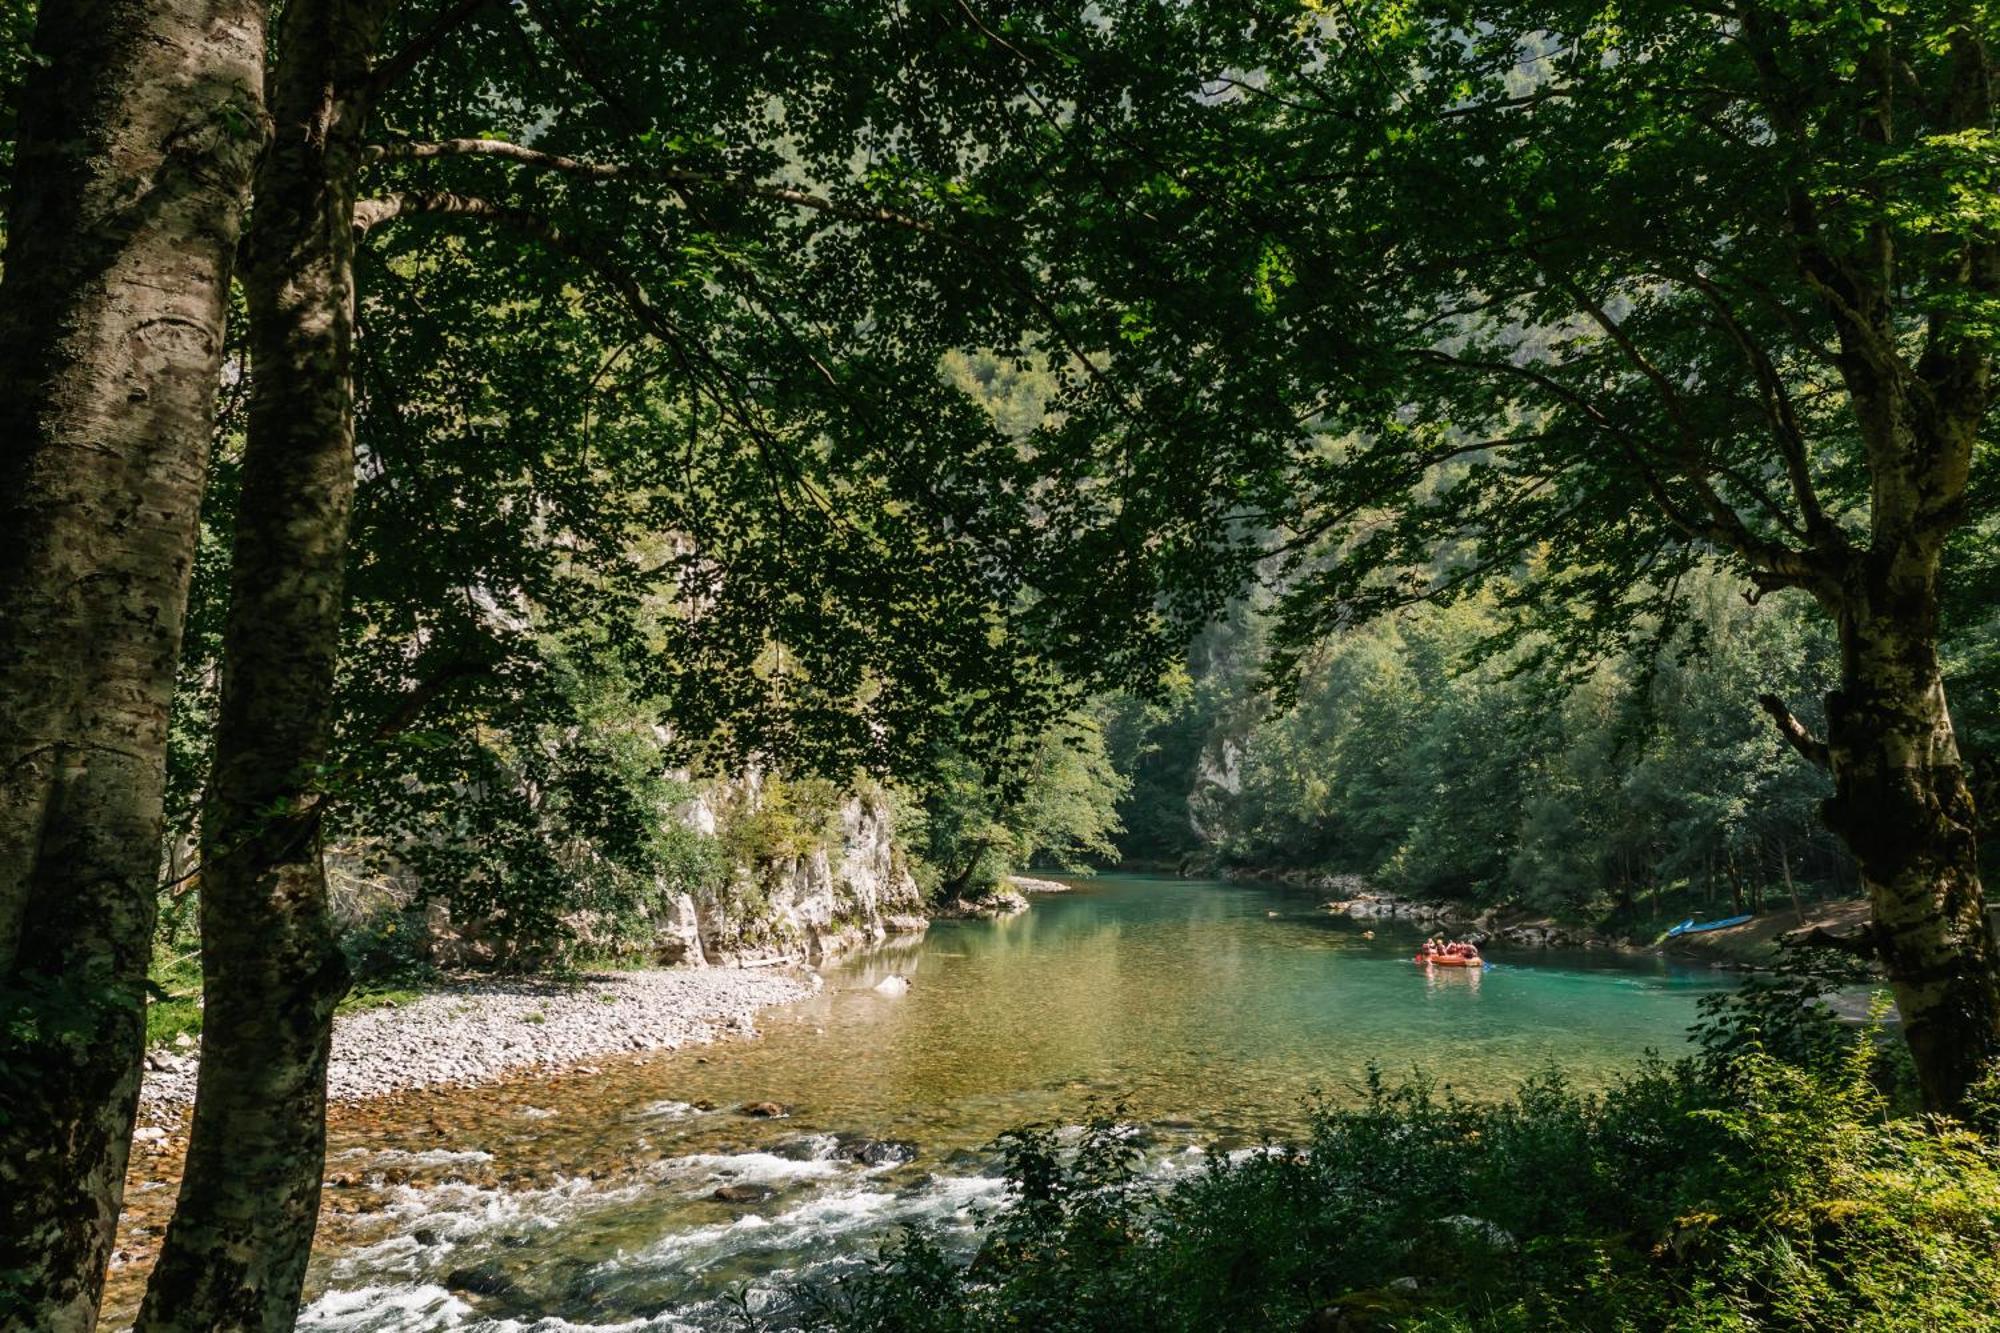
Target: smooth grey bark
[
  {"x": 139, "y": 129},
  {"x": 235, "y": 1252}
]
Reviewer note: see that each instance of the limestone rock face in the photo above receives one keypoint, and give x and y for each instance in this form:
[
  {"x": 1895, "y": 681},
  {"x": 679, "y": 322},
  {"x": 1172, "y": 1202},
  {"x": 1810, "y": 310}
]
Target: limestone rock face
[
  {"x": 1218, "y": 781},
  {"x": 851, "y": 892},
  {"x": 679, "y": 934}
]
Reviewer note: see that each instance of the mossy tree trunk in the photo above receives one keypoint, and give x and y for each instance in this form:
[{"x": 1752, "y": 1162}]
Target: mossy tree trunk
[
  {"x": 235, "y": 1253},
  {"x": 1902, "y": 806},
  {"x": 139, "y": 129}
]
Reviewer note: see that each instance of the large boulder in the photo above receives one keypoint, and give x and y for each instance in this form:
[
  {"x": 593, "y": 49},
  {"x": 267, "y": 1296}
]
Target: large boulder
[{"x": 677, "y": 935}]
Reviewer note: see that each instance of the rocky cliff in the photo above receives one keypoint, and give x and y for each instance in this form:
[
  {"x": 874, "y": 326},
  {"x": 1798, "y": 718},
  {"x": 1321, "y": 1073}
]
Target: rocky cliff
[{"x": 852, "y": 888}]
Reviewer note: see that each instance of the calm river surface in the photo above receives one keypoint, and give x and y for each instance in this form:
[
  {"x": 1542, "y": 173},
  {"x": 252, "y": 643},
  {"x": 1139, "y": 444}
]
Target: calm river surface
[{"x": 1211, "y": 1012}]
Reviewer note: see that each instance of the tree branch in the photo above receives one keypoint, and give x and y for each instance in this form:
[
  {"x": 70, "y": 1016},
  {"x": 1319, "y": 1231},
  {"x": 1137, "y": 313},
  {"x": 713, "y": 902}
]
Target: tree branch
[
  {"x": 1795, "y": 732},
  {"x": 1778, "y": 409},
  {"x": 1862, "y": 944},
  {"x": 1721, "y": 513},
  {"x": 687, "y": 352},
  {"x": 393, "y": 70},
  {"x": 411, "y": 705},
  {"x": 1778, "y": 564},
  {"x": 607, "y": 171},
  {"x": 372, "y": 213}
]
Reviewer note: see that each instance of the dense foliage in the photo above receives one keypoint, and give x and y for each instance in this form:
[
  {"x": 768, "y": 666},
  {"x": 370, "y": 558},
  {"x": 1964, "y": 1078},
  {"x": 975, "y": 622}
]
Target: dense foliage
[
  {"x": 972, "y": 826},
  {"x": 1406, "y": 752},
  {"x": 1763, "y": 1185}
]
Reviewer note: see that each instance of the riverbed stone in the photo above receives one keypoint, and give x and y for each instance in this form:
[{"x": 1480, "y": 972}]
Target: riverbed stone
[
  {"x": 881, "y": 1152},
  {"x": 741, "y": 1193},
  {"x": 487, "y": 1279}
]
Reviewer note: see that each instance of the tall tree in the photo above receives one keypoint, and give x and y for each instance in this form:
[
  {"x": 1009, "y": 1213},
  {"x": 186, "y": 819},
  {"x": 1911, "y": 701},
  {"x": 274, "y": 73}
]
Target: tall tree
[
  {"x": 1609, "y": 289},
  {"x": 272, "y": 967},
  {"x": 137, "y": 130},
  {"x": 768, "y": 234}
]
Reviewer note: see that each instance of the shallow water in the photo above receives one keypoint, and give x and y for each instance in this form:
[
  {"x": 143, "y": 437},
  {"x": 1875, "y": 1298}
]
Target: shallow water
[{"x": 1210, "y": 1012}]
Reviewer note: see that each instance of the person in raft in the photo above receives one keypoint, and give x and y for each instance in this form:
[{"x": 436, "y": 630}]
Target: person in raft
[{"x": 1435, "y": 947}]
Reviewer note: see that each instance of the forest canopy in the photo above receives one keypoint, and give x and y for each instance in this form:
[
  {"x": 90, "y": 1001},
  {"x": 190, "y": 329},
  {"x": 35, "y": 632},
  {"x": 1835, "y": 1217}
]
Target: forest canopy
[{"x": 1523, "y": 450}]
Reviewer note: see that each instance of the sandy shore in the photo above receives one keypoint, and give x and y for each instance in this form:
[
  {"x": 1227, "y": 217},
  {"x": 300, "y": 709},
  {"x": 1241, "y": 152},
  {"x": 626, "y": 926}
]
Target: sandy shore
[{"x": 480, "y": 1030}]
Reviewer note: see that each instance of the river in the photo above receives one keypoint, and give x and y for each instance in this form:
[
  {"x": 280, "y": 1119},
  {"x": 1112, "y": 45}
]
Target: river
[{"x": 1210, "y": 1013}]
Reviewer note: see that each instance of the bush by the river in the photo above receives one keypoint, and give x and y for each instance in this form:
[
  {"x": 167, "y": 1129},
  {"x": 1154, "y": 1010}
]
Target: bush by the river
[{"x": 1769, "y": 1183}]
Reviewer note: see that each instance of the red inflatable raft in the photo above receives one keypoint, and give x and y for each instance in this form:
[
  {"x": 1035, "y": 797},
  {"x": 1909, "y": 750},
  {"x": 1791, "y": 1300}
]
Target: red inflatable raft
[{"x": 1446, "y": 960}]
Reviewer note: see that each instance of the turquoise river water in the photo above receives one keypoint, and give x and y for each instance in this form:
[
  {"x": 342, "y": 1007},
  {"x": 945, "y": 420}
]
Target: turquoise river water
[{"x": 1212, "y": 1013}]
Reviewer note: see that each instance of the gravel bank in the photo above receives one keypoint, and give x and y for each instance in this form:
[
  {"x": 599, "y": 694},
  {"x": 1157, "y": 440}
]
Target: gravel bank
[{"x": 475, "y": 1032}]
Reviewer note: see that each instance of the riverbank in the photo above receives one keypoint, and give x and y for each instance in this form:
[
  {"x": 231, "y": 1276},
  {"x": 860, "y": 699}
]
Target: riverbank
[
  {"x": 1010, "y": 898},
  {"x": 1754, "y": 944},
  {"x": 478, "y": 1030}
]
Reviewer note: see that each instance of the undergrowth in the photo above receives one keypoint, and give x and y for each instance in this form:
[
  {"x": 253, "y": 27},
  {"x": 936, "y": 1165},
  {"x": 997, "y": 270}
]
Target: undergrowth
[{"x": 1775, "y": 1180}]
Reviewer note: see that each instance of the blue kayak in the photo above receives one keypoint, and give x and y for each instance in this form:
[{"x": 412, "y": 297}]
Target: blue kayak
[{"x": 1693, "y": 927}]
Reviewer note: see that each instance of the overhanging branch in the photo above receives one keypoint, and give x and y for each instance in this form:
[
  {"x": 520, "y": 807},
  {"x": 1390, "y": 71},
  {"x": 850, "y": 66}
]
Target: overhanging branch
[
  {"x": 392, "y": 71},
  {"x": 1863, "y": 944},
  {"x": 1775, "y": 564},
  {"x": 1777, "y": 404},
  {"x": 719, "y": 383},
  {"x": 632, "y": 171},
  {"x": 1796, "y": 733}
]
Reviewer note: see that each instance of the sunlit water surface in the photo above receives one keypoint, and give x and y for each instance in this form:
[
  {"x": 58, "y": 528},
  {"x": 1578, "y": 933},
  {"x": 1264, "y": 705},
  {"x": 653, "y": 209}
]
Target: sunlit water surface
[{"x": 1211, "y": 1013}]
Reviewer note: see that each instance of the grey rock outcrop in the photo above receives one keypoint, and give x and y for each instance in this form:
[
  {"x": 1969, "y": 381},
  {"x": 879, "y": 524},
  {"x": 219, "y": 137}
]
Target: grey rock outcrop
[
  {"x": 1218, "y": 781},
  {"x": 678, "y": 933},
  {"x": 1384, "y": 906},
  {"x": 854, "y": 891},
  {"x": 1003, "y": 902}
]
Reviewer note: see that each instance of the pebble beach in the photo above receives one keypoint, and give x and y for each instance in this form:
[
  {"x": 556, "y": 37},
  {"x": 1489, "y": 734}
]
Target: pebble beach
[{"x": 477, "y": 1031}]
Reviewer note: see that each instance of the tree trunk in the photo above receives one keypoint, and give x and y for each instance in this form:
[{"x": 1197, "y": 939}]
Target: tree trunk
[
  {"x": 1903, "y": 808},
  {"x": 139, "y": 127},
  {"x": 235, "y": 1253},
  {"x": 1791, "y": 885}
]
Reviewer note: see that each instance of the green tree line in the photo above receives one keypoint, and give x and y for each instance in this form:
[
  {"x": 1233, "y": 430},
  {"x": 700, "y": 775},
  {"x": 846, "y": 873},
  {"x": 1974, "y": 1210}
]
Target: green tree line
[{"x": 1407, "y": 753}]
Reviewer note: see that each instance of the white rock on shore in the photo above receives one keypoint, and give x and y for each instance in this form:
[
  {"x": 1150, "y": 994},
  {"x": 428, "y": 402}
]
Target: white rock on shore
[
  {"x": 1380, "y": 906},
  {"x": 476, "y": 1032}
]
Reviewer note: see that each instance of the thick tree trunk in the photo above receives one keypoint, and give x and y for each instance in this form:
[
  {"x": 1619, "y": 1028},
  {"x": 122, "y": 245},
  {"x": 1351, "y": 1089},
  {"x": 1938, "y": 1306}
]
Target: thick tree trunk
[
  {"x": 139, "y": 128},
  {"x": 235, "y": 1253},
  {"x": 1903, "y": 808}
]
